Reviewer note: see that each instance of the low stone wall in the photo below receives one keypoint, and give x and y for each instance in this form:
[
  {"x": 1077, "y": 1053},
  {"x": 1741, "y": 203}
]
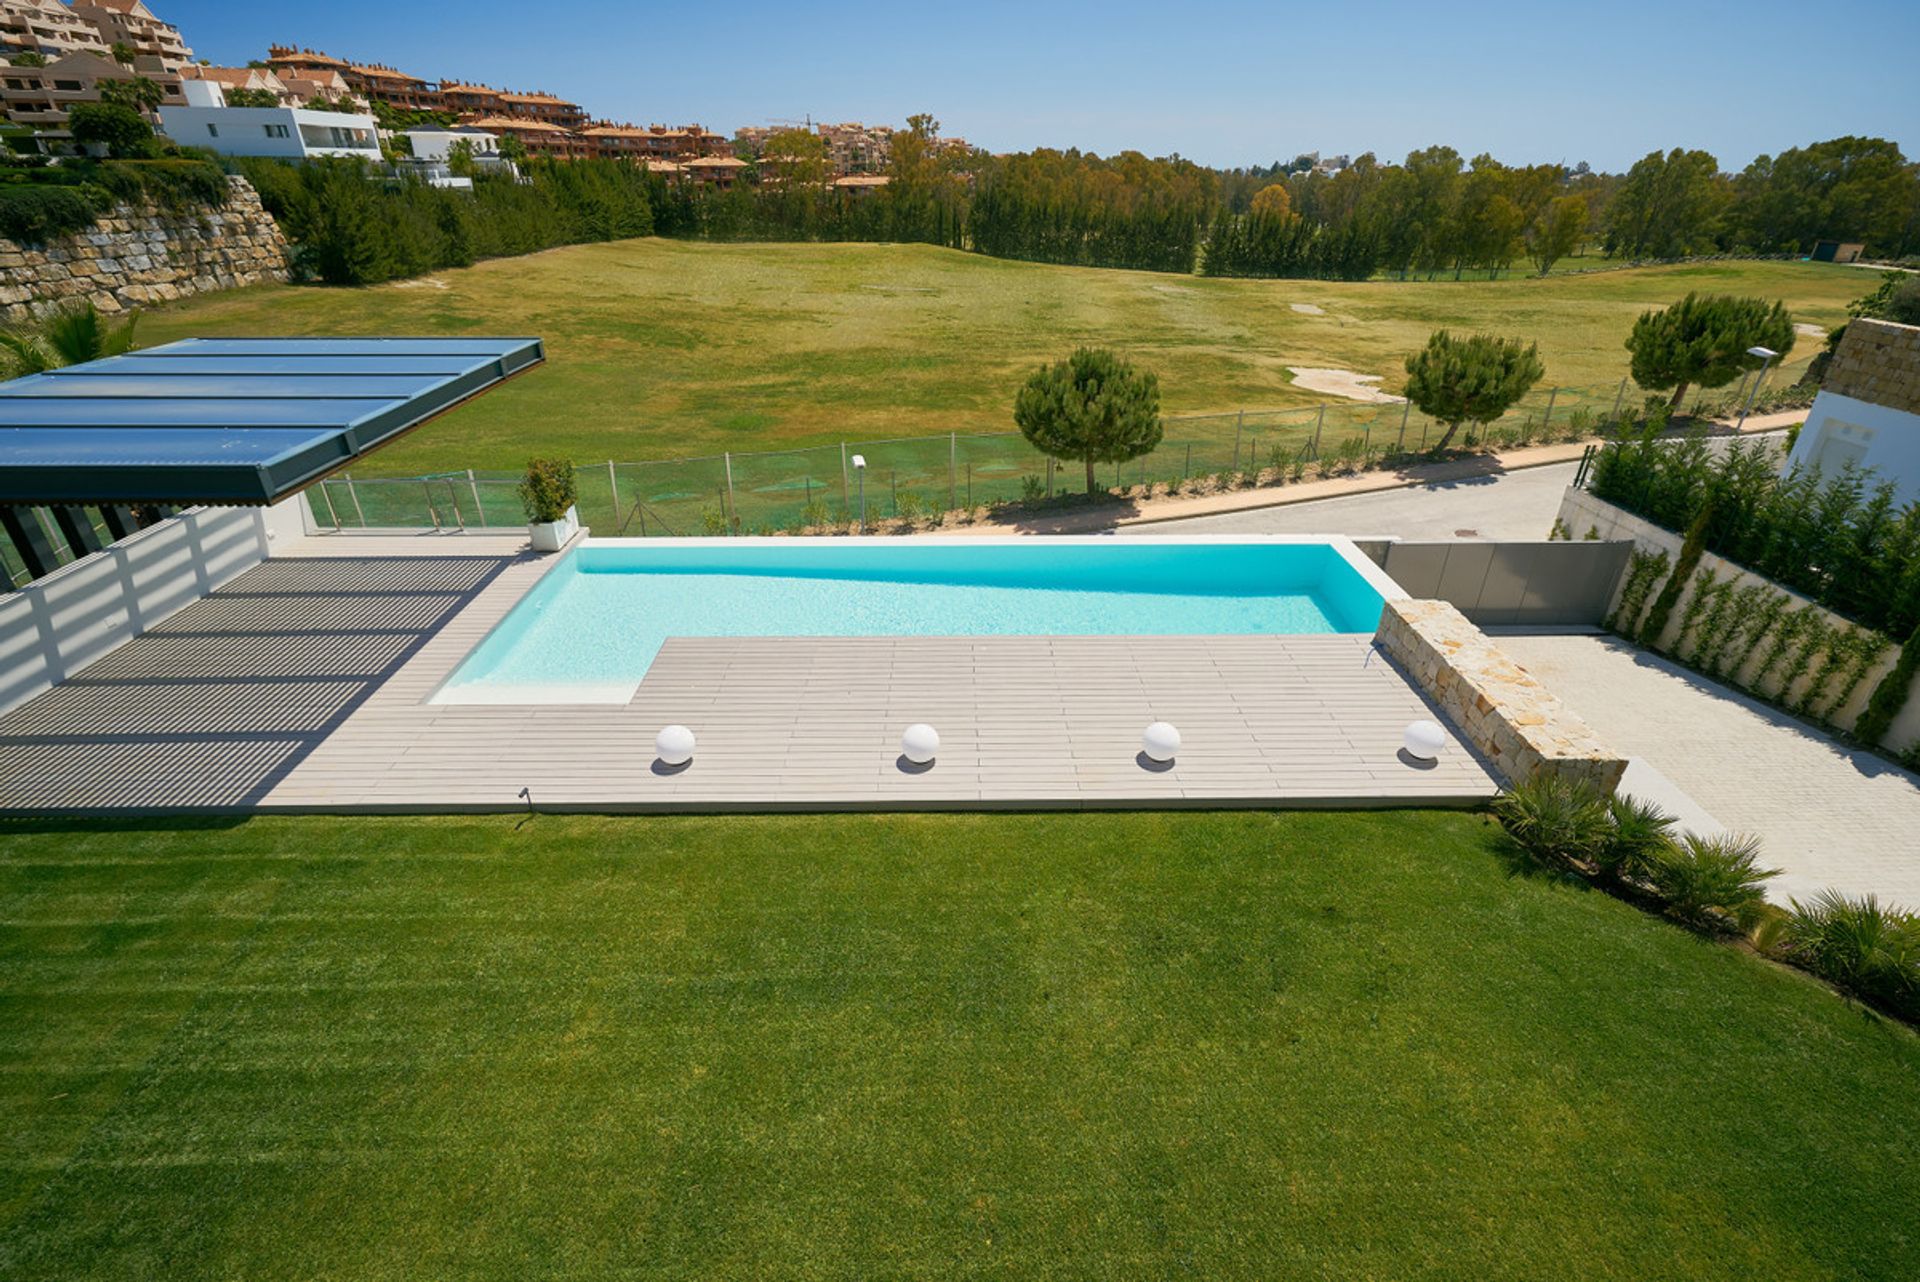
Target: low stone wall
[
  {"x": 137, "y": 255},
  {"x": 1515, "y": 722}
]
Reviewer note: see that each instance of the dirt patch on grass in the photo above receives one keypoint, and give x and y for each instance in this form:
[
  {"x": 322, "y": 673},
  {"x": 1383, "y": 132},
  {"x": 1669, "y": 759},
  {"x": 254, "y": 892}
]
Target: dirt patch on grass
[
  {"x": 1308, "y": 309},
  {"x": 1342, "y": 382}
]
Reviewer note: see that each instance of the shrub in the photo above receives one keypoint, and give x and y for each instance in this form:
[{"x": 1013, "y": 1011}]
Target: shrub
[
  {"x": 1558, "y": 821},
  {"x": 120, "y": 128},
  {"x": 548, "y": 490},
  {"x": 1870, "y": 951},
  {"x": 33, "y": 215},
  {"x": 1638, "y": 834},
  {"x": 1712, "y": 882}
]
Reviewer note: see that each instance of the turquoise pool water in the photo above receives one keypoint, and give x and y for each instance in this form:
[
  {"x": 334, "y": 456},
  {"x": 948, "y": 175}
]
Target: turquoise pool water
[{"x": 599, "y": 618}]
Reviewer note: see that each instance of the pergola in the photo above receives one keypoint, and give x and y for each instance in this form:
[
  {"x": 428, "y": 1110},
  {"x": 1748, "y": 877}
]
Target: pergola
[{"x": 215, "y": 421}]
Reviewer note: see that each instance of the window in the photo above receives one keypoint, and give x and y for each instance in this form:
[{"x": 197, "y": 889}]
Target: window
[
  {"x": 213, "y": 130},
  {"x": 276, "y": 131},
  {"x": 68, "y": 86}
]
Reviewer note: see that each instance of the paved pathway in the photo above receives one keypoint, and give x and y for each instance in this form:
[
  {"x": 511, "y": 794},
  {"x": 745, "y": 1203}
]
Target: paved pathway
[
  {"x": 1503, "y": 505},
  {"x": 1829, "y": 816}
]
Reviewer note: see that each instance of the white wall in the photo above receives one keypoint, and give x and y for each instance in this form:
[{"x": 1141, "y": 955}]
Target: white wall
[
  {"x": 1581, "y": 511},
  {"x": 245, "y": 131},
  {"x": 1840, "y": 428},
  {"x": 436, "y": 144},
  {"x": 52, "y": 628}
]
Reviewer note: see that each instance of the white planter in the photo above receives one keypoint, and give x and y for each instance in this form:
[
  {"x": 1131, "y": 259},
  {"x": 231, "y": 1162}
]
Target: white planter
[{"x": 551, "y": 536}]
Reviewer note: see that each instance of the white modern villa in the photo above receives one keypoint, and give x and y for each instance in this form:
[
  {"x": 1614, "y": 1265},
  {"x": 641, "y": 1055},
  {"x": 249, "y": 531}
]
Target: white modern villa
[{"x": 290, "y": 133}]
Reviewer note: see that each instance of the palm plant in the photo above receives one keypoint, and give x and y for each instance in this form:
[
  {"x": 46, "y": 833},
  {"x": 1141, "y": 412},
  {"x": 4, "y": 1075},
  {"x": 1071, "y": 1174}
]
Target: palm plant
[
  {"x": 1641, "y": 833},
  {"x": 1554, "y": 819},
  {"x": 82, "y": 333},
  {"x": 70, "y": 335},
  {"x": 1713, "y": 882},
  {"x": 25, "y": 353},
  {"x": 1871, "y": 951}
]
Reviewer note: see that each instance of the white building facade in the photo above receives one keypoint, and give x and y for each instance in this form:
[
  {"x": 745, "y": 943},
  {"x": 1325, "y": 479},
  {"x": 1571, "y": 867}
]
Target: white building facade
[
  {"x": 1868, "y": 409},
  {"x": 290, "y": 133}
]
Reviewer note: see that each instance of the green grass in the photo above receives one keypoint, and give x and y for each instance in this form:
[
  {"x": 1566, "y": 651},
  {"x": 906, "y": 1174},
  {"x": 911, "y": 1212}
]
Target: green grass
[
  {"x": 660, "y": 349},
  {"x": 1207, "y": 1045}
]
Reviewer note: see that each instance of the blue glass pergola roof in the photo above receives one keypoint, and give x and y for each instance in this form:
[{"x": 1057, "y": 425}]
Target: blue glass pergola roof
[{"x": 230, "y": 420}]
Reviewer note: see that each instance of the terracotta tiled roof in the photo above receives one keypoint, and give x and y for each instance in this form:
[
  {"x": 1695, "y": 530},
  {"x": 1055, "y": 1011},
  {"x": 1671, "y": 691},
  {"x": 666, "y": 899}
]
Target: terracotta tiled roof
[
  {"x": 512, "y": 122},
  {"x": 310, "y": 56},
  {"x": 717, "y": 162}
]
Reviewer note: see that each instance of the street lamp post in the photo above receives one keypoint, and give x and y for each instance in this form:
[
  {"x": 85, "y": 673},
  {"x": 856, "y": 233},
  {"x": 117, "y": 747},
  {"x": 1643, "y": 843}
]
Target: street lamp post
[
  {"x": 860, "y": 470},
  {"x": 1766, "y": 355}
]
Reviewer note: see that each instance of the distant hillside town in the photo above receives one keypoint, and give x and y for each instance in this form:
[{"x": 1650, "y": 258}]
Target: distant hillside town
[{"x": 63, "y": 54}]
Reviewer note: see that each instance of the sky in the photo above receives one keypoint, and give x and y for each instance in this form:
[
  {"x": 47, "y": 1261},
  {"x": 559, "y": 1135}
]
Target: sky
[{"x": 1223, "y": 84}]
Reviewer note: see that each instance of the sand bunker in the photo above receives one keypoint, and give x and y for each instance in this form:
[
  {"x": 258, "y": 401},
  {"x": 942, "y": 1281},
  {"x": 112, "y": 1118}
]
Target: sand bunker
[
  {"x": 1342, "y": 382},
  {"x": 1809, "y": 331},
  {"x": 1308, "y": 309}
]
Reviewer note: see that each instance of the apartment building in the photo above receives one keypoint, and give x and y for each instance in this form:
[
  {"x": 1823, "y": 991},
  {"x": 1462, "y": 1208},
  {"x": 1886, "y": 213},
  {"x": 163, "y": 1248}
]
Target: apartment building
[
  {"x": 656, "y": 142},
  {"x": 131, "y": 23},
  {"x": 45, "y": 27},
  {"x": 40, "y": 97},
  {"x": 854, "y": 148},
  {"x": 543, "y": 107},
  {"x": 462, "y": 98},
  {"x": 537, "y": 136},
  {"x": 247, "y": 79}
]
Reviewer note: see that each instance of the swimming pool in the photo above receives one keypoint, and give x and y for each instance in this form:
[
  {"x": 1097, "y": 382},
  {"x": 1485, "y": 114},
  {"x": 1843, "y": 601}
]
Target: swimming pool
[{"x": 591, "y": 627}]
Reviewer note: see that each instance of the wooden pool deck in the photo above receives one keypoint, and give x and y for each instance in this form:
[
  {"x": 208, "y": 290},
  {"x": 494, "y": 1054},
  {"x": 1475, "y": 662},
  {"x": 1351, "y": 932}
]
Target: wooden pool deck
[{"x": 302, "y": 686}]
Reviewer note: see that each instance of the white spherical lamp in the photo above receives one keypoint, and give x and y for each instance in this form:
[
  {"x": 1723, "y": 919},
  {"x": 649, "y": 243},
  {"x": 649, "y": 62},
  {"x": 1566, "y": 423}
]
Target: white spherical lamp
[
  {"x": 1424, "y": 740},
  {"x": 1160, "y": 741},
  {"x": 675, "y": 745},
  {"x": 919, "y": 743}
]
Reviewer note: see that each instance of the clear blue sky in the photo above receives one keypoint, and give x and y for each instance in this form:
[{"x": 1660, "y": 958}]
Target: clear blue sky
[{"x": 1225, "y": 84}]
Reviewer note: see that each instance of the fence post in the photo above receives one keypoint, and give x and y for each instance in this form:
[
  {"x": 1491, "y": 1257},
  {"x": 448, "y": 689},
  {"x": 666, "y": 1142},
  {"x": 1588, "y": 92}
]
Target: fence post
[
  {"x": 1239, "y": 420},
  {"x": 426, "y": 488},
  {"x": 355, "y": 496},
  {"x": 1400, "y": 444},
  {"x": 613, "y": 486},
  {"x": 733, "y": 508},
  {"x": 846, "y": 493},
  {"x": 1186, "y": 468},
  {"x": 1548, "y": 416},
  {"x": 1049, "y": 476},
  {"x": 480, "y": 509},
  {"x": 453, "y": 501},
  {"x": 953, "y": 470},
  {"x": 893, "y": 484},
  {"x": 333, "y": 514},
  {"x": 1618, "y": 397},
  {"x": 969, "y": 485},
  {"x": 1319, "y": 421}
]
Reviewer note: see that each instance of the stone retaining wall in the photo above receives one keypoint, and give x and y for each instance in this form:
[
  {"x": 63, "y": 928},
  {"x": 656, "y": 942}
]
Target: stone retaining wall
[
  {"x": 1515, "y": 722},
  {"x": 140, "y": 254}
]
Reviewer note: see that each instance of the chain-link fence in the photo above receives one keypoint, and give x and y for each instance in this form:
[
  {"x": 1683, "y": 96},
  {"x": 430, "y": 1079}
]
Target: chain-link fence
[{"x": 752, "y": 493}]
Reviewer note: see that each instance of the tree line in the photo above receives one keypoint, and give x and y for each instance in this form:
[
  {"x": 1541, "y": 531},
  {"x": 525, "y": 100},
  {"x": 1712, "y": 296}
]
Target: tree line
[{"x": 1436, "y": 213}]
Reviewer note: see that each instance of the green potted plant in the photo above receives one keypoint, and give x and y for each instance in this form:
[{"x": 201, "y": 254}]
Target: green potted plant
[{"x": 548, "y": 494}]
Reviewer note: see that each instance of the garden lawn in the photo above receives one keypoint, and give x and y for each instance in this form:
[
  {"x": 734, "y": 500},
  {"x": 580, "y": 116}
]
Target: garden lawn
[
  {"x": 1131, "y": 1045},
  {"x": 661, "y": 348}
]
